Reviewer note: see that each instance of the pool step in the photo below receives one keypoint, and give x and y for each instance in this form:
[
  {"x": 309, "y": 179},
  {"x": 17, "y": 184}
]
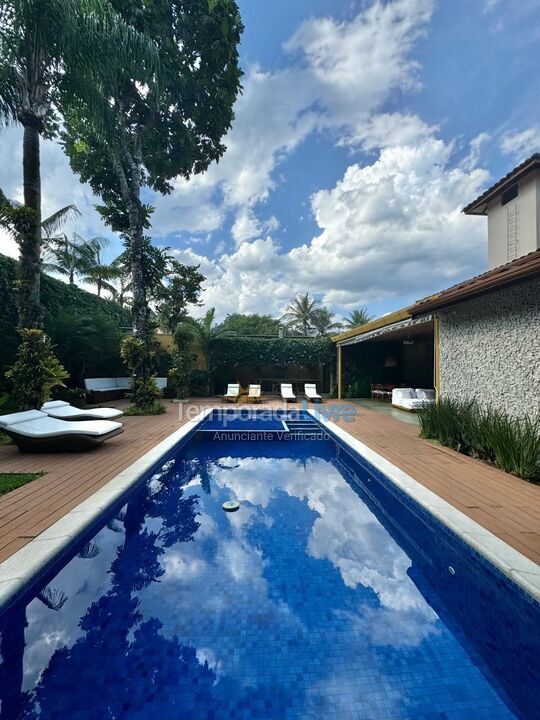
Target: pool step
[{"x": 303, "y": 426}]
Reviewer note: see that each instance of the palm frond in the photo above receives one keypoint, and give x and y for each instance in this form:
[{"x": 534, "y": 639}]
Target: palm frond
[{"x": 55, "y": 221}]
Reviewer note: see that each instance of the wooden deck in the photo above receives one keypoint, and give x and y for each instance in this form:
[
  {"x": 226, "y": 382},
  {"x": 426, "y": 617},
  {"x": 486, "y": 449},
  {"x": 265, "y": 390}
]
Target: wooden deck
[{"x": 505, "y": 505}]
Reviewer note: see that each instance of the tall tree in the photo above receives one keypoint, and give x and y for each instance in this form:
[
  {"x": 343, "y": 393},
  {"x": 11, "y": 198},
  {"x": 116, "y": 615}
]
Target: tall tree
[
  {"x": 160, "y": 125},
  {"x": 95, "y": 270},
  {"x": 64, "y": 256},
  {"x": 323, "y": 322},
  {"x": 45, "y": 44},
  {"x": 250, "y": 324},
  {"x": 357, "y": 318},
  {"x": 300, "y": 314}
]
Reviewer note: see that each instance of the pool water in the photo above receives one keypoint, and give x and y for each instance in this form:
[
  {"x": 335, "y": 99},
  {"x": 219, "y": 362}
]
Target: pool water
[
  {"x": 323, "y": 596},
  {"x": 250, "y": 420}
]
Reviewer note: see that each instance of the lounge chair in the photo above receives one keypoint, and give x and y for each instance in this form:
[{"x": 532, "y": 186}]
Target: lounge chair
[
  {"x": 35, "y": 431},
  {"x": 64, "y": 411},
  {"x": 232, "y": 394},
  {"x": 254, "y": 394},
  {"x": 310, "y": 390},
  {"x": 287, "y": 392},
  {"x": 405, "y": 399}
]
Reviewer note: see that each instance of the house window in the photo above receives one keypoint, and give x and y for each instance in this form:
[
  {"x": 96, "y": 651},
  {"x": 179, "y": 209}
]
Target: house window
[{"x": 509, "y": 194}]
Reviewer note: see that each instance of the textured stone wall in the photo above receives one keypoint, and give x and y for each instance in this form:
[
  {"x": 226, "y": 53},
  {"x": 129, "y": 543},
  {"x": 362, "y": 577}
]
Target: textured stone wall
[{"x": 490, "y": 349}]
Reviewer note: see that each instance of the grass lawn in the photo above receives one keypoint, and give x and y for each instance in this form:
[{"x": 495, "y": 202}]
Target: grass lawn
[
  {"x": 4, "y": 440},
  {"x": 11, "y": 481}
]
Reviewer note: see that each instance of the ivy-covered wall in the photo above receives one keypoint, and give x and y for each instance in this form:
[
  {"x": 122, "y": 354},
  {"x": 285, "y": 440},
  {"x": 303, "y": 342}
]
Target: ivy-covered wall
[
  {"x": 235, "y": 351},
  {"x": 56, "y": 297},
  {"x": 252, "y": 359}
]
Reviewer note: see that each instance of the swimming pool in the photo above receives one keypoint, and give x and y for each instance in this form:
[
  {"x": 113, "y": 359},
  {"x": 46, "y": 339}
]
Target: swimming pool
[{"x": 329, "y": 594}]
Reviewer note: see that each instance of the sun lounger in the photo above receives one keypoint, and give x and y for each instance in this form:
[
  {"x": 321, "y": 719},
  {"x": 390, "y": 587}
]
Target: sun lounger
[
  {"x": 64, "y": 411},
  {"x": 310, "y": 390},
  {"x": 406, "y": 399},
  {"x": 287, "y": 392},
  {"x": 254, "y": 394},
  {"x": 35, "y": 431},
  {"x": 232, "y": 394}
]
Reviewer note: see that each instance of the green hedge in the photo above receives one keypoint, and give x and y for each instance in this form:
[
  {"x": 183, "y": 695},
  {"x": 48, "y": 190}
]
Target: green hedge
[
  {"x": 56, "y": 297},
  {"x": 234, "y": 351}
]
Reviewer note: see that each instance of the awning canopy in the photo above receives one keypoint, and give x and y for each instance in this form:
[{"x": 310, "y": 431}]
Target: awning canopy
[{"x": 386, "y": 330}]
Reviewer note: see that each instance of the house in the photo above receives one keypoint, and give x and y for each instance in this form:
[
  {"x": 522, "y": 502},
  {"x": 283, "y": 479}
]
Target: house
[{"x": 482, "y": 335}]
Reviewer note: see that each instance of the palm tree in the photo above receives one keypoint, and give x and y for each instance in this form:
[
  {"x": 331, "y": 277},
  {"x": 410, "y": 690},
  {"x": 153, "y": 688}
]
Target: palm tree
[
  {"x": 65, "y": 257},
  {"x": 300, "y": 314},
  {"x": 56, "y": 251},
  {"x": 121, "y": 289},
  {"x": 323, "y": 323},
  {"x": 46, "y": 45},
  {"x": 95, "y": 270},
  {"x": 357, "y": 318},
  {"x": 205, "y": 332}
]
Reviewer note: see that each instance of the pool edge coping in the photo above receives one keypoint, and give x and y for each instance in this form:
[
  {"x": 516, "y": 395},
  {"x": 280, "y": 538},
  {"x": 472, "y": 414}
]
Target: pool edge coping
[
  {"x": 518, "y": 568},
  {"x": 19, "y": 570}
]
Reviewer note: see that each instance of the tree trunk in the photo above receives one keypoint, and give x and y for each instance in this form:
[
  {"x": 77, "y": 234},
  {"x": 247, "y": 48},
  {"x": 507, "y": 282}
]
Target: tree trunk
[{"x": 30, "y": 310}]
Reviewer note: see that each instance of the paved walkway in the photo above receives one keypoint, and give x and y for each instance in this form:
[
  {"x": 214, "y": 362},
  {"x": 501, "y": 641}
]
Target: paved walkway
[{"x": 505, "y": 505}]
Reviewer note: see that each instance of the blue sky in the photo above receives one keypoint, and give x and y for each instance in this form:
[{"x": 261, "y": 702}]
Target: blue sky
[{"x": 363, "y": 129}]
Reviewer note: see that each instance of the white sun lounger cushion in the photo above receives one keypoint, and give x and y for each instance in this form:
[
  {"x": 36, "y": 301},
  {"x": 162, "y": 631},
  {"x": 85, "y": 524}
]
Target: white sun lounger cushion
[
  {"x": 287, "y": 391},
  {"x": 51, "y": 427},
  {"x": 311, "y": 390},
  {"x": 65, "y": 411}
]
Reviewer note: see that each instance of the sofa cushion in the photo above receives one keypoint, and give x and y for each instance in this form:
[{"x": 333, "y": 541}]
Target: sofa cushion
[
  {"x": 54, "y": 404},
  {"x": 425, "y": 394},
  {"x": 97, "y": 384},
  {"x": 124, "y": 383}
]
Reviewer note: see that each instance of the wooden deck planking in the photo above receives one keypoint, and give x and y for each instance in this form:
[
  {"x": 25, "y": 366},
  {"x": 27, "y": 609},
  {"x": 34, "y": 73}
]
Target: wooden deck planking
[{"x": 505, "y": 505}]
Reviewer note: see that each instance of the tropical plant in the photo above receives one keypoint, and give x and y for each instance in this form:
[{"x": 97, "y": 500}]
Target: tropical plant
[
  {"x": 181, "y": 287},
  {"x": 183, "y": 359},
  {"x": 86, "y": 345},
  {"x": 95, "y": 270},
  {"x": 205, "y": 331},
  {"x": 323, "y": 322},
  {"x": 512, "y": 444},
  {"x": 249, "y": 324},
  {"x": 47, "y": 46},
  {"x": 145, "y": 394},
  {"x": 159, "y": 124},
  {"x": 36, "y": 370},
  {"x": 357, "y": 318},
  {"x": 122, "y": 283},
  {"x": 300, "y": 313}
]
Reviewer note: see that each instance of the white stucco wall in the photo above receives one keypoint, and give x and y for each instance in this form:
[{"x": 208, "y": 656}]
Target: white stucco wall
[
  {"x": 527, "y": 208},
  {"x": 490, "y": 349}
]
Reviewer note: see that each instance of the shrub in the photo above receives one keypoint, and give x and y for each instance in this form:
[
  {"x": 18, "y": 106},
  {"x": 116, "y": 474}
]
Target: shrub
[
  {"x": 36, "y": 370},
  {"x": 183, "y": 359},
  {"x": 512, "y": 444},
  {"x": 145, "y": 394}
]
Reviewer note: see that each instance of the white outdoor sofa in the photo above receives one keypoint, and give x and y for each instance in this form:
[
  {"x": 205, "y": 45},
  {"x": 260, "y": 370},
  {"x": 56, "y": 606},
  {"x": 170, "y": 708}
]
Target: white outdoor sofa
[
  {"x": 412, "y": 399},
  {"x": 287, "y": 392},
  {"x": 232, "y": 394},
  {"x": 64, "y": 411},
  {"x": 310, "y": 389},
  {"x": 35, "y": 431},
  {"x": 111, "y": 387}
]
